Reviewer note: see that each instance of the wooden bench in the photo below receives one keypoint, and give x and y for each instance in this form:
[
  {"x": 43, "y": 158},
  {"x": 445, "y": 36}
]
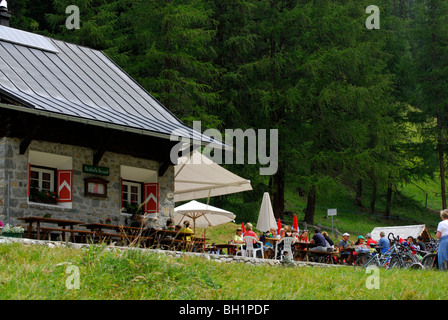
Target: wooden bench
[
  {"x": 83, "y": 233},
  {"x": 322, "y": 252},
  {"x": 172, "y": 244},
  {"x": 319, "y": 253}
]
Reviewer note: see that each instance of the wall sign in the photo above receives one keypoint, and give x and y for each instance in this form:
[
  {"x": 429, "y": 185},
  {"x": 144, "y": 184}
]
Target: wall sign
[
  {"x": 95, "y": 187},
  {"x": 102, "y": 171}
]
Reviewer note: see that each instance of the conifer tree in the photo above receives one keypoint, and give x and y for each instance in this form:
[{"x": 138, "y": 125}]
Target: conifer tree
[{"x": 431, "y": 45}]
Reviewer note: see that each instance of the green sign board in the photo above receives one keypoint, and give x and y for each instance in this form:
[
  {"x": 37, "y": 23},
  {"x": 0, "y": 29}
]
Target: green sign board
[{"x": 102, "y": 171}]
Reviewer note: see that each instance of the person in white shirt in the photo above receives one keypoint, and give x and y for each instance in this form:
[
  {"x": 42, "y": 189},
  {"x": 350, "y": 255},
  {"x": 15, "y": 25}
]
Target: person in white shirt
[{"x": 442, "y": 234}]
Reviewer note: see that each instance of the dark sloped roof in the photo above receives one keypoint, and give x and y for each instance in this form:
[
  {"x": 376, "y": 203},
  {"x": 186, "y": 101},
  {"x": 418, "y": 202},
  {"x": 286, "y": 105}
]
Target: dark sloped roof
[{"x": 60, "y": 78}]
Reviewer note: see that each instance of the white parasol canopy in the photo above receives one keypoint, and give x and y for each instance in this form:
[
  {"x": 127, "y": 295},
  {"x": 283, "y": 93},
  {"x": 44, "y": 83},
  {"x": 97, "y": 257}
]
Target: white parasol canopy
[
  {"x": 266, "y": 219},
  {"x": 203, "y": 215},
  {"x": 198, "y": 177}
]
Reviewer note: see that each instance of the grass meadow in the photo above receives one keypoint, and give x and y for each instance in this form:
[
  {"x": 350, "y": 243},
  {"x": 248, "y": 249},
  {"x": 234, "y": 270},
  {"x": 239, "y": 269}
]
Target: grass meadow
[{"x": 42, "y": 273}]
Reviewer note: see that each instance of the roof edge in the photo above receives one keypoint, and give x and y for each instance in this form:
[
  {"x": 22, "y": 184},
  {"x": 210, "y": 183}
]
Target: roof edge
[{"x": 99, "y": 123}]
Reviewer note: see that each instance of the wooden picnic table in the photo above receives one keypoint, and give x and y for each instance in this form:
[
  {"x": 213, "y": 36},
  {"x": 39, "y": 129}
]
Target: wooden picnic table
[
  {"x": 230, "y": 247},
  {"x": 116, "y": 227},
  {"x": 122, "y": 232},
  {"x": 272, "y": 241},
  {"x": 162, "y": 233},
  {"x": 59, "y": 222},
  {"x": 301, "y": 249},
  {"x": 350, "y": 249},
  {"x": 172, "y": 239}
]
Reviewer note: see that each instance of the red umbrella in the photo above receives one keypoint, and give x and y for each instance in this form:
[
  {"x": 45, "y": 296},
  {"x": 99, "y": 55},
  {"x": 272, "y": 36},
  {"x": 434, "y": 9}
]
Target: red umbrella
[
  {"x": 242, "y": 227},
  {"x": 279, "y": 226},
  {"x": 295, "y": 223}
]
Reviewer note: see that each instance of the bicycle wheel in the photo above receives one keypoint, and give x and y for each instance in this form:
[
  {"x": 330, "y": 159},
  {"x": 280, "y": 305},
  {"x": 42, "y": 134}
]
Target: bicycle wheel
[
  {"x": 430, "y": 261},
  {"x": 416, "y": 265},
  {"x": 408, "y": 259},
  {"x": 395, "y": 262}
]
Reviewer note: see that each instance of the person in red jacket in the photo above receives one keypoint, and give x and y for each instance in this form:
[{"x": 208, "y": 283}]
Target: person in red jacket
[
  {"x": 249, "y": 232},
  {"x": 369, "y": 240}
]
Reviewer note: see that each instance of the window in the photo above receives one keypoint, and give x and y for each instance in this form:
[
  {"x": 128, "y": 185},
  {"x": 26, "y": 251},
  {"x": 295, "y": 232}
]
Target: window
[
  {"x": 139, "y": 186},
  {"x": 132, "y": 193},
  {"x": 42, "y": 184},
  {"x": 42, "y": 179},
  {"x": 50, "y": 179}
]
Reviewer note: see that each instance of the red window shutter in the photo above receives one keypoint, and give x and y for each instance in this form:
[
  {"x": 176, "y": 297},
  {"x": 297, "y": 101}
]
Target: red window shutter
[
  {"x": 151, "y": 193},
  {"x": 65, "y": 185}
]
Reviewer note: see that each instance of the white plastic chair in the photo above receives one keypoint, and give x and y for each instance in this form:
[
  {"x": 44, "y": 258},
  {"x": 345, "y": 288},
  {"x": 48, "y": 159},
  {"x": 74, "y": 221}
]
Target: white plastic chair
[
  {"x": 239, "y": 249},
  {"x": 250, "y": 250},
  {"x": 287, "y": 242}
]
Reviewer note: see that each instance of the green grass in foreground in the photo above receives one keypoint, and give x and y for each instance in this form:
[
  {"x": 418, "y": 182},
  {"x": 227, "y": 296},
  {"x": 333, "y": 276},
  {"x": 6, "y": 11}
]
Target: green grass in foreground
[{"x": 39, "y": 273}]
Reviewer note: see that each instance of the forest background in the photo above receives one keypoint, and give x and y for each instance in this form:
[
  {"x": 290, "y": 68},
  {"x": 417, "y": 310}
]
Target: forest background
[{"x": 361, "y": 113}]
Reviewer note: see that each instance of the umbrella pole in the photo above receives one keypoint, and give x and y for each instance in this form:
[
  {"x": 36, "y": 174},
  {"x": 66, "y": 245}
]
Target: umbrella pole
[{"x": 208, "y": 198}]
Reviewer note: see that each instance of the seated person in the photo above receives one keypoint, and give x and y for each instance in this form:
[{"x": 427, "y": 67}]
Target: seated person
[
  {"x": 238, "y": 238},
  {"x": 319, "y": 240},
  {"x": 384, "y": 243},
  {"x": 420, "y": 244},
  {"x": 213, "y": 249},
  {"x": 304, "y": 236},
  {"x": 287, "y": 232},
  {"x": 280, "y": 233},
  {"x": 250, "y": 233},
  {"x": 186, "y": 228},
  {"x": 344, "y": 254},
  {"x": 169, "y": 225},
  {"x": 362, "y": 247},
  {"x": 272, "y": 233},
  {"x": 370, "y": 242},
  {"x": 295, "y": 234},
  {"x": 410, "y": 242},
  {"x": 329, "y": 243}
]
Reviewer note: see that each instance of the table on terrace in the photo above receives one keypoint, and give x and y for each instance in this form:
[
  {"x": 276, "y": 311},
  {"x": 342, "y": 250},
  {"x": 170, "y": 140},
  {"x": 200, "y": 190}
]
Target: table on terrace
[{"x": 59, "y": 222}]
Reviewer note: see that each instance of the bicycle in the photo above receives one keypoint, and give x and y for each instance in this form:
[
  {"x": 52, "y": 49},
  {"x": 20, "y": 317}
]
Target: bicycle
[
  {"x": 430, "y": 260},
  {"x": 396, "y": 256},
  {"x": 406, "y": 258}
]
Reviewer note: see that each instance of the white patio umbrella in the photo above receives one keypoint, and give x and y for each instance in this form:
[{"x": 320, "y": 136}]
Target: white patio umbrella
[
  {"x": 203, "y": 215},
  {"x": 266, "y": 219},
  {"x": 198, "y": 177}
]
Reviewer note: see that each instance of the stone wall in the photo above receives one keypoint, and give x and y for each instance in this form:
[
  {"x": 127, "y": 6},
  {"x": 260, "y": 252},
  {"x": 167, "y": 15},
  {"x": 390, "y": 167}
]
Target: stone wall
[{"x": 88, "y": 209}]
